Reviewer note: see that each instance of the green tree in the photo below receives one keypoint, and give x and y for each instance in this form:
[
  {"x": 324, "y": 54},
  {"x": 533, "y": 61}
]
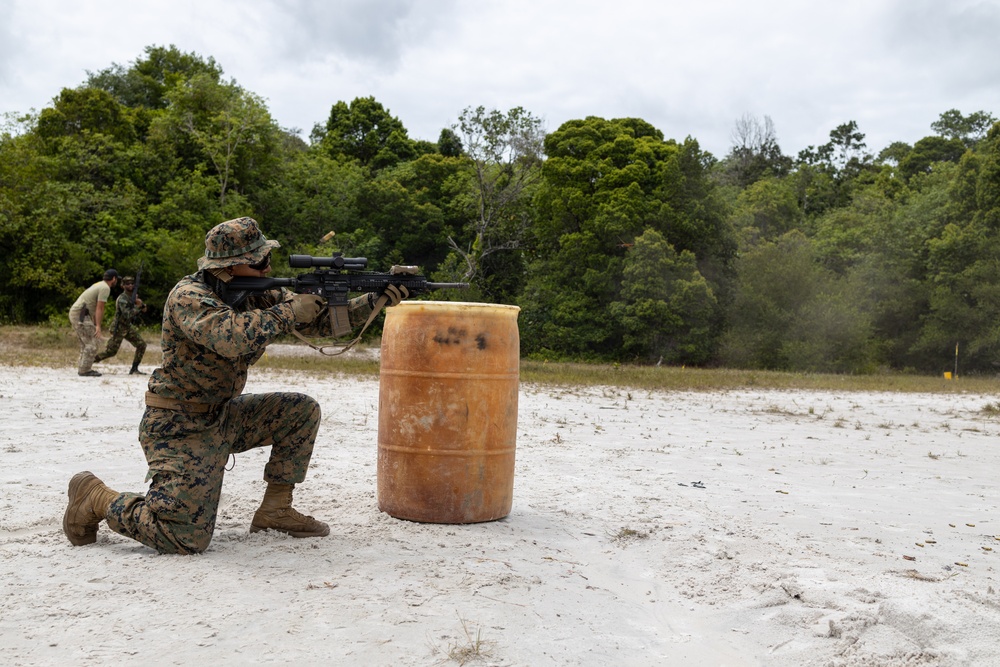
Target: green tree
[
  {"x": 312, "y": 195},
  {"x": 605, "y": 184},
  {"x": 766, "y": 210},
  {"x": 231, "y": 128},
  {"x": 504, "y": 152},
  {"x": 665, "y": 305},
  {"x": 449, "y": 144},
  {"x": 963, "y": 266},
  {"x": 755, "y": 153},
  {"x": 146, "y": 82},
  {"x": 827, "y": 176},
  {"x": 366, "y": 132},
  {"x": 894, "y": 153},
  {"x": 929, "y": 151},
  {"x": 970, "y": 130},
  {"x": 789, "y": 313},
  {"x": 412, "y": 209}
]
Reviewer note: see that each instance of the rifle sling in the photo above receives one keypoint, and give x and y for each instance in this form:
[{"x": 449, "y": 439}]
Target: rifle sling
[{"x": 376, "y": 309}]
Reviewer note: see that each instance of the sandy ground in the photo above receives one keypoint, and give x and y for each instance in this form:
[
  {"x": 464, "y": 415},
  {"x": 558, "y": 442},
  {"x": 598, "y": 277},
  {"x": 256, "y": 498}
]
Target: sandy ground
[{"x": 727, "y": 528}]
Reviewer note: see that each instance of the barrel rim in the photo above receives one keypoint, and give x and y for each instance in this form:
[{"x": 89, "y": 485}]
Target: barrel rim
[{"x": 458, "y": 305}]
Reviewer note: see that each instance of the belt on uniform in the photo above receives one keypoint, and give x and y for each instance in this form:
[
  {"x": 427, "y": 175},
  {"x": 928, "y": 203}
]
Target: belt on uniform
[{"x": 155, "y": 401}]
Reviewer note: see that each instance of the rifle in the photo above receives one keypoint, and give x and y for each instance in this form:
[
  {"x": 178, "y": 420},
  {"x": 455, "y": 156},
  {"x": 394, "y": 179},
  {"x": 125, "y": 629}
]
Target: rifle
[
  {"x": 135, "y": 290},
  {"x": 333, "y": 279}
]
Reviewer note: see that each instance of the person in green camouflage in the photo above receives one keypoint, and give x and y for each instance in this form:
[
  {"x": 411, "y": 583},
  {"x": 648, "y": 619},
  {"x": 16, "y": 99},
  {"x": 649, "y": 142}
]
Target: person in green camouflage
[
  {"x": 122, "y": 327},
  {"x": 197, "y": 415}
]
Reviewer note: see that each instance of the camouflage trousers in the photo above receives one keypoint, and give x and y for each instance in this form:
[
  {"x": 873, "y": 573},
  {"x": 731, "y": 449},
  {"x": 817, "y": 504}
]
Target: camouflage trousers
[
  {"x": 86, "y": 332},
  {"x": 131, "y": 334},
  {"x": 187, "y": 455}
]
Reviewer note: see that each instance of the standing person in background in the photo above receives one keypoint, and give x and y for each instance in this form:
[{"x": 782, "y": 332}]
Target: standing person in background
[
  {"x": 85, "y": 316},
  {"x": 126, "y": 309}
]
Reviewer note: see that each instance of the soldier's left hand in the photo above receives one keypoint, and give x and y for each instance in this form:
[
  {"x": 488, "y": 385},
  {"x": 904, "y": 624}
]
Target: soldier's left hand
[
  {"x": 396, "y": 293},
  {"x": 306, "y": 307}
]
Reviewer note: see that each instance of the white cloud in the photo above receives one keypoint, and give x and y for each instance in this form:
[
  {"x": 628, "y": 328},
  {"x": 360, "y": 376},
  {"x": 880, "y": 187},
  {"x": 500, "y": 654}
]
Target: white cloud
[{"x": 687, "y": 68}]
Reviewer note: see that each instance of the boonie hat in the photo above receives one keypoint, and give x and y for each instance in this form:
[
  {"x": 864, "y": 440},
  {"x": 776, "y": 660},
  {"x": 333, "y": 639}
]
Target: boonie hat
[{"x": 237, "y": 241}]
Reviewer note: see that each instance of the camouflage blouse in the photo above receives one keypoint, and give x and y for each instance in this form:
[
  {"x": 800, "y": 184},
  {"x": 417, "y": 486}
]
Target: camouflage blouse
[
  {"x": 208, "y": 345},
  {"x": 125, "y": 312}
]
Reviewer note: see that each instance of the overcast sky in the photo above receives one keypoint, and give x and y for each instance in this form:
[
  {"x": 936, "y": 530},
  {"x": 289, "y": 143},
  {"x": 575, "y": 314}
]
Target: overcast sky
[{"x": 688, "y": 68}]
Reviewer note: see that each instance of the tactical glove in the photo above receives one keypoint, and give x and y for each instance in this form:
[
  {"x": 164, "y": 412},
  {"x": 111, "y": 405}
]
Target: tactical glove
[
  {"x": 396, "y": 293},
  {"x": 306, "y": 307}
]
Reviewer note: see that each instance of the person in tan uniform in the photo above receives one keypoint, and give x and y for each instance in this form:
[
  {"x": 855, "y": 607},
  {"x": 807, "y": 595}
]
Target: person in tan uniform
[
  {"x": 197, "y": 414},
  {"x": 86, "y": 315}
]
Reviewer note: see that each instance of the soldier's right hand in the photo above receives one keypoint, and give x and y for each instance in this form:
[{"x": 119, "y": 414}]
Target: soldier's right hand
[{"x": 306, "y": 307}]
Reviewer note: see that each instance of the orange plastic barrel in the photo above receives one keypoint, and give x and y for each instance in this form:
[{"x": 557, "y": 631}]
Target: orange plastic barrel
[{"x": 447, "y": 418}]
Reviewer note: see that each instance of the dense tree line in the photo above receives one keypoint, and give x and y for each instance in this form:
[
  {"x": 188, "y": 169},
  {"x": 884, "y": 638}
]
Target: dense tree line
[{"x": 617, "y": 243}]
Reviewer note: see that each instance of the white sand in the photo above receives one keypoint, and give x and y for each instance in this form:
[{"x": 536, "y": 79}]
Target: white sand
[{"x": 791, "y": 554}]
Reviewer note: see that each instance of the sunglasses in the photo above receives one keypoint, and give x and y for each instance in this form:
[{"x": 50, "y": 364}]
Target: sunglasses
[{"x": 262, "y": 264}]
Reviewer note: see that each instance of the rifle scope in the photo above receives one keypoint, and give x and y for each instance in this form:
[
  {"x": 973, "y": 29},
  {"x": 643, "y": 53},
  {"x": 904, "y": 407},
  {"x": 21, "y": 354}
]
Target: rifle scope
[{"x": 335, "y": 261}]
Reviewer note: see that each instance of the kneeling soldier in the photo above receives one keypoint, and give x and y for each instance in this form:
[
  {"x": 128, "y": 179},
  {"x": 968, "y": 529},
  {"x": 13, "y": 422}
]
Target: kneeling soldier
[{"x": 197, "y": 415}]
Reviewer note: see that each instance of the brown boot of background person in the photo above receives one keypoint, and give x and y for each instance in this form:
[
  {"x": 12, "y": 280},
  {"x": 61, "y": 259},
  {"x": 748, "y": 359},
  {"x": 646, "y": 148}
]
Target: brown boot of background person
[
  {"x": 135, "y": 370},
  {"x": 89, "y": 500},
  {"x": 276, "y": 513}
]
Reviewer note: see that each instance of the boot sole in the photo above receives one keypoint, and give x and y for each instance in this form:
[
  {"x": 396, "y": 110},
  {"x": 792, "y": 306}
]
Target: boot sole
[{"x": 89, "y": 535}]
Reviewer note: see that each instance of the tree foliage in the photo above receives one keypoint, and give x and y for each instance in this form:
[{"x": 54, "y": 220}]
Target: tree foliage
[
  {"x": 606, "y": 184},
  {"x": 755, "y": 153},
  {"x": 617, "y": 243},
  {"x": 365, "y": 131},
  {"x": 967, "y": 129}
]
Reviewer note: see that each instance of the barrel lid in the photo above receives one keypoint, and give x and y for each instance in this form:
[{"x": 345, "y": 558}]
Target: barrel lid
[{"x": 459, "y": 306}]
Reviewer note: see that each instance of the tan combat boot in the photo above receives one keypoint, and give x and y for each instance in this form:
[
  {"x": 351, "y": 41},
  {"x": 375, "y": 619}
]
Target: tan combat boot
[
  {"x": 276, "y": 513},
  {"x": 89, "y": 500}
]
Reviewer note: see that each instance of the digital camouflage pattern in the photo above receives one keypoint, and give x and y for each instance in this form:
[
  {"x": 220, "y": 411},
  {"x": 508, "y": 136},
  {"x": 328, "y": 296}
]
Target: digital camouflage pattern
[
  {"x": 187, "y": 455},
  {"x": 237, "y": 241},
  {"x": 122, "y": 327},
  {"x": 207, "y": 348}
]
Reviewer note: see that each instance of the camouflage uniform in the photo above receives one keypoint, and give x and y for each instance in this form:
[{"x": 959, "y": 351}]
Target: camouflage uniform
[
  {"x": 196, "y": 414},
  {"x": 122, "y": 328}
]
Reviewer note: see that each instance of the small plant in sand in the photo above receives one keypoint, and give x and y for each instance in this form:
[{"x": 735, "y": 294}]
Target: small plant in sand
[
  {"x": 991, "y": 409},
  {"x": 932, "y": 455},
  {"x": 464, "y": 651},
  {"x": 627, "y": 534}
]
